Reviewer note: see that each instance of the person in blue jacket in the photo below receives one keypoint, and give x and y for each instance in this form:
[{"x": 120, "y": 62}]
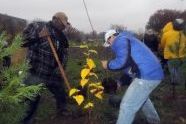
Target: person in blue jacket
[{"x": 135, "y": 59}]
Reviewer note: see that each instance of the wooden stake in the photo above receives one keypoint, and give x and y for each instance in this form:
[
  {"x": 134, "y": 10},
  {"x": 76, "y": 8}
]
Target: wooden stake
[{"x": 44, "y": 33}]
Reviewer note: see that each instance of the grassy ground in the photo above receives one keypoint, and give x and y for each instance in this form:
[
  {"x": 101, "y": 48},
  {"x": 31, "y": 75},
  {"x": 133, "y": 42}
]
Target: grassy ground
[{"x": 171, "y": 110}]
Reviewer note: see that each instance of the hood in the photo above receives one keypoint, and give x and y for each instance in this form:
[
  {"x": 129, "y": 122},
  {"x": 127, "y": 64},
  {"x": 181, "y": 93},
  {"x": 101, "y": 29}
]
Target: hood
[
  {"x": 168, "y": 27},
  {"x": 126, "y": 33}
]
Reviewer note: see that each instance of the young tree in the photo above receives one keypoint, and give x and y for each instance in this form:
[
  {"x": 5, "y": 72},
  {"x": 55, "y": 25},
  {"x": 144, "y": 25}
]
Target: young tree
[{"x": 13, "y": 92}]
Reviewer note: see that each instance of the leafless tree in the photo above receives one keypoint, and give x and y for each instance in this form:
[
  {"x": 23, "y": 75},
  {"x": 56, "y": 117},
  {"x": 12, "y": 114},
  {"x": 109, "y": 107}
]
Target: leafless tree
[{"x": 161, "y": 17}]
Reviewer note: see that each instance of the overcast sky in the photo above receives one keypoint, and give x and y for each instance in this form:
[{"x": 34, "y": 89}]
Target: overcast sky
[{"x": 133, "y": 14}]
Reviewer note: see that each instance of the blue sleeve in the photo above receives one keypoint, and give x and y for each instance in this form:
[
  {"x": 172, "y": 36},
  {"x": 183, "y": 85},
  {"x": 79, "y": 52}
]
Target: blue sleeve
[{"x": 121, "y": 50}]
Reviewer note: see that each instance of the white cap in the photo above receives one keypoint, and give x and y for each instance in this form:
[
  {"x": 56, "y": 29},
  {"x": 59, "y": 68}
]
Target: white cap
[
  {"x": 179, "y": 21},
  {"x": 108, "y": 34}
]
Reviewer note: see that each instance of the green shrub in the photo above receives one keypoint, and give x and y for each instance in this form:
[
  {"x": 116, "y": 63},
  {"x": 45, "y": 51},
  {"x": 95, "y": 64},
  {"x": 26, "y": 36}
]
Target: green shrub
[{"x": 13, "y": 92}]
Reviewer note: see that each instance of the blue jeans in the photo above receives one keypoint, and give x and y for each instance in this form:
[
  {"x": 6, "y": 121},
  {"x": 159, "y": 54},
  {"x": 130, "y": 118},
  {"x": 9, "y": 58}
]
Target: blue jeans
[{"x": 136, "y": 97}]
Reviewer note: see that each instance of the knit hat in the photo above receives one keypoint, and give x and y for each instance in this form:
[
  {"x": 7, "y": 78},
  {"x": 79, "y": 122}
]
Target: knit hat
[
  {"x": 179, "y": 20},
  {"x": 178, "y": 24},
  {"x": 62, "y": 17}
]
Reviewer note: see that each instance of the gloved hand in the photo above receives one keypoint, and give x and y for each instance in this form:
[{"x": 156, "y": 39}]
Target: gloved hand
[
  {"x": 110, "y": 85},
  {"x": 114, "y": 101}
]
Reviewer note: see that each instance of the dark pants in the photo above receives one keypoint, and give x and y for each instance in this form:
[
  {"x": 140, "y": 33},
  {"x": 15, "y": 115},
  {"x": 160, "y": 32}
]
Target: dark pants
[
  {"x": 55, "y": 87},
  {"x": 58, "y": 90},
  {"x": 125, "y": 79}
]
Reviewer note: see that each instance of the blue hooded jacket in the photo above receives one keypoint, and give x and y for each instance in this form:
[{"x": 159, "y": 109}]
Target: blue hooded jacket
[{"x": 134, "y": 58}]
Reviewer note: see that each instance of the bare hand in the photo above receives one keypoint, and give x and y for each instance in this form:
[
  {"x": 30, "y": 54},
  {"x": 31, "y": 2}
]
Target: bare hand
[
  {"x": 43, "y": 33},
  {"x": 104, "y": 64}
]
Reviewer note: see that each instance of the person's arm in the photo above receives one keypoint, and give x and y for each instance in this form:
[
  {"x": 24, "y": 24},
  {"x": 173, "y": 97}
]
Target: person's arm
[{"x": 121, "y": 49}]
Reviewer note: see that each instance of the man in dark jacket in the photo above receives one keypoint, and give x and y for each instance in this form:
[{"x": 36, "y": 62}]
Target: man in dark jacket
[
  {"x": 138, "y": 61},
  {"x": 151, "y": 40},
  {"x": 44, "y": 68}
]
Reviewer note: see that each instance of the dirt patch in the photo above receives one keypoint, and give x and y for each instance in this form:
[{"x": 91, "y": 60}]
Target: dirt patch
[{"x": 64, "y": 120}]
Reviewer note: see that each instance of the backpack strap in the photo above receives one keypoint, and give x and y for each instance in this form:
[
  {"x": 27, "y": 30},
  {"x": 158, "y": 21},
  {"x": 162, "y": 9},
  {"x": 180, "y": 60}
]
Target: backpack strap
[{"x": 131, "y": 63}]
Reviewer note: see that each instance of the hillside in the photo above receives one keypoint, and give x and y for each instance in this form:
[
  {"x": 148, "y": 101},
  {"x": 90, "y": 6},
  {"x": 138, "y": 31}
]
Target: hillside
[{"x": 11, "y": 25}]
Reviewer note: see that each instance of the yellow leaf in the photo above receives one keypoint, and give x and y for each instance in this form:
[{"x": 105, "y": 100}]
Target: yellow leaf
[
  {"x": 79, "y": 99},
  {"x": 86, "y": 54},
  {"x": 93, "y": 51},
  {"x": 100, "y": 87},
  {"x": 99, "y": 95},
  {"x": 89, "y": 105},
  {"x": 83, "y": 46},
  {"x": 84, "y": 73},
  {"x": 95, "y": 84},
  {"x": 93, "y": 74},
  {"x": 98, "y": 84},
  {"x": 93, "y": 90},
  {"x": 91, "y": 63},
  {"x": 72, "y": 91},
  {"x": 83, "y": 82},
  {"x": 92, "y": 85}
]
